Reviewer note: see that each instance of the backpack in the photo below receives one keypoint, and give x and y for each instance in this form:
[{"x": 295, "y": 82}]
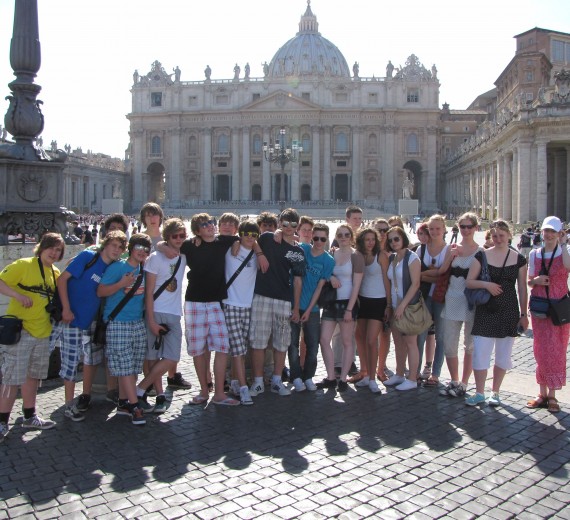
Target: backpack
[{"x": 525, "y": 240}]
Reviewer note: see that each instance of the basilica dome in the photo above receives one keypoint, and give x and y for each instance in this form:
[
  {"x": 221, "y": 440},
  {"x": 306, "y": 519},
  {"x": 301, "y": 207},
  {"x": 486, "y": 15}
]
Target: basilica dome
[{"x": 308, "y": 53}]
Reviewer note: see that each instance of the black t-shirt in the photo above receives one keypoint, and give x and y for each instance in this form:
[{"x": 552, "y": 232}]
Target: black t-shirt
[
  {"x": 285, "y": 261},
  {"x": 207, "y": 277}
]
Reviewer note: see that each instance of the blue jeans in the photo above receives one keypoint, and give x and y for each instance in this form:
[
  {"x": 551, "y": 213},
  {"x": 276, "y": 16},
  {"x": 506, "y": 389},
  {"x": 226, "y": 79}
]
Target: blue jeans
[
  {"x": 436, "y": 310},
  {"x": 312, "y": 331}
]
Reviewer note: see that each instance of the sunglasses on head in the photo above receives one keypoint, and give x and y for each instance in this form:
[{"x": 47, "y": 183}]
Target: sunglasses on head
[
  {"x": 286, "y": 223},
  {"x": 253, "y": 234},
  {"x": 176, "y": 236},
  {"x": 343, "y": 235},
  {"x": 208, "y": 223},
  {"x": 394, "y": 239},
  {"x": 322, "y": 239},
  {"x": 466, "y": 226},
  {"x": 140, "y": 247}
]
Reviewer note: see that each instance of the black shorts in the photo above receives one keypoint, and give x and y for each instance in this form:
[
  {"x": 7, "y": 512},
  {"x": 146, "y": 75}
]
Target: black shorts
[
  {"x": 335, "y": 311},
  {"x": 371, "y": 308}
]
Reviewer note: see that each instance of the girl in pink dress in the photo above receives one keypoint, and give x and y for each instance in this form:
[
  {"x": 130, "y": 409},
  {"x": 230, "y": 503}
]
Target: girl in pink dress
[{"x": 549, "y": 267}]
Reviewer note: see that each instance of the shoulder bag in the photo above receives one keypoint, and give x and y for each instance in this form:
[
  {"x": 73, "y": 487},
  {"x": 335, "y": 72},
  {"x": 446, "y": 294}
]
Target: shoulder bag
[
  {"x": 559, "y": 310},
  {"x": 479, "y": 296},
  {"x": 539, "y": 306},
  {"x": 10, "y": 329},
  {"x": 416, "y": 317}
]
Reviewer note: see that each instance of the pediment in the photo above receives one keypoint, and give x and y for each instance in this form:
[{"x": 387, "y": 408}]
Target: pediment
[{"x": 281, "y": 100}]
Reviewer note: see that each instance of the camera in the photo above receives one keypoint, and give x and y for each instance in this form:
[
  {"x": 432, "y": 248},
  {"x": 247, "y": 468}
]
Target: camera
[
  {"x": 161, "y": 333},
  {"x": 54, "y": 311}
]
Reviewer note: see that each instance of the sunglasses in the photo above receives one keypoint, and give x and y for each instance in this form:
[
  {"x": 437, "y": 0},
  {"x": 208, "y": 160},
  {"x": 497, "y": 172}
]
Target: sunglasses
[
  {"x": 322, "y": 239},
  {"x": 253, "y": 234},
  {"x": 286, "y": 223},
  {"x": 140, "y": 247},
  {"x": 343, "y": 235},
  {"x": 394, "y": 239},
  {"x": 382, "y": 229},
  {"x": 208, "y": 223},
  {"x": 466, "y": 226},
  {"x": 178, "y": 235}
]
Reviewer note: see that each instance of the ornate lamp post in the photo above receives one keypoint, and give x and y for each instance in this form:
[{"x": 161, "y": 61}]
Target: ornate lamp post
[{"x": 282, "y": 154}]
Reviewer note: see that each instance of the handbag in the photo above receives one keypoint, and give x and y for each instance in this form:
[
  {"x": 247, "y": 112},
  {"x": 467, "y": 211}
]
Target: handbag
[
  {"x": 416, "y": 317},
  {"x": 483, "y": 296},
  {"x": 539, "y": 307},
  {"x": 560, "y": 311},
  {"x": 327, "y": 296},
  {"x": 10, "y": 329},
  {"x": 100, "y": 333},
  {"x": 441, "y": 286}
]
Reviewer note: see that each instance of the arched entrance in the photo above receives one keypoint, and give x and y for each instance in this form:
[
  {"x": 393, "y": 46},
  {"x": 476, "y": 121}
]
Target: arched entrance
[
  {"x": 256, "y": 192},
  {"x": 156, "y": 183},
  {"x": 415, "y": 173},
  {"x": 341, "y": 187},
  {"x": 222, "y": 187},
  {"x": 305, "y": 192}
]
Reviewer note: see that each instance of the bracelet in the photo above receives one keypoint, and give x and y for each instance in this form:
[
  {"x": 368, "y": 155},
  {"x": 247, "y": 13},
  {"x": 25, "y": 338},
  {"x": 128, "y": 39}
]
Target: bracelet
[
  {"x": 348, "y": 310},
  {"x": 523, "y": 315},
  {"x": 259, "y": 254}
]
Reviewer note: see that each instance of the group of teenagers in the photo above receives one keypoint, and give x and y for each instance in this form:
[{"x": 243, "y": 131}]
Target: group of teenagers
[{"x": 255, "y": 284}]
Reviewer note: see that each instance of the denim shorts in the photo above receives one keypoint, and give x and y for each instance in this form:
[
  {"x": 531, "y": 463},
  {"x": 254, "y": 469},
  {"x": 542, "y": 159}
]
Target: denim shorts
[{"x": 335, "y": 311}]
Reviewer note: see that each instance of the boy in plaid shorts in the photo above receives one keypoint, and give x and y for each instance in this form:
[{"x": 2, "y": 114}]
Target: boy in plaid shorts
[
  {"x": 237, "y": 306},
  {"x": 77, "y": 288}
]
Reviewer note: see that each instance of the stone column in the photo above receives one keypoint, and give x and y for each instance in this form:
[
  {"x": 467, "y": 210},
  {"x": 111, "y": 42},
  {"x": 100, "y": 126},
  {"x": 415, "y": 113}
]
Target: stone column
[
  {"x": 431, "y": 185},
  {"x": 266, "y": 183},
  {"x": 245, "y": 164},
  {"x": 541, "y": 196},
  {"x": 356, "y": 172},
  {"x": 388, "y": 171},
  {"x": 515, "y": 185},
  {"x": 500, "y": 172},
  {"x": 173, "y": 177},
  {"x": 206, "y": 190},
  {"x": 295, "y": 188},
  {"x": 507, "y": 188},
  {"x": 559, "y": 183},
  {"x": 235, "y": 195},
  {"x": 138, "y": 165},
  {"x": 524, "y": 186},
  {"x": 327, "y": 178},
  {"x": 316, "y": 163}
]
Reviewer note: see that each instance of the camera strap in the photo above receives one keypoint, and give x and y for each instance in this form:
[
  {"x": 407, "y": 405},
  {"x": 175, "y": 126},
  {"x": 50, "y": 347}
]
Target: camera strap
[
  {"x": 160, "y": 290},
  {"x": 128, "y": 296},
  {"x": 44, "y": 279},
  {"x": 239, "y": 269}
]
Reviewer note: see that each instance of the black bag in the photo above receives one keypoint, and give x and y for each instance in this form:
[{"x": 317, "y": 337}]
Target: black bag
[
  {"x": 539, "y": 307},
  {"x": 560, "y": 311},
  {"x": 100, "y": 334},
  {"x": 10, "y": 329},
  {"x": 327, "y": 296}
]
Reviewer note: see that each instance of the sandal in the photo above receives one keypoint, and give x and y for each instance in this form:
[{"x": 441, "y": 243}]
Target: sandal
[
  {"x": 382, "y": 377},
  {"x": 538, "y": 402},
  {"x": 553, "y": 406},
  {"x": 431, "y": 383},
  {"x": 356, "y": 378}
]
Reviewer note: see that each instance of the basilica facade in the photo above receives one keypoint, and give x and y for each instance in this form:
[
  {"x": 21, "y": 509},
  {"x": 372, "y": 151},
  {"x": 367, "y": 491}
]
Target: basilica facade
[{"x": 357, "y": 138}]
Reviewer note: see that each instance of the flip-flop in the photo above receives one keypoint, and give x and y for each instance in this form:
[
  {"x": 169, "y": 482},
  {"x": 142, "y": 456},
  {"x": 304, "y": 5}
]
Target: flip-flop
[
  {"x": 228, "y": 401},
  {"x": 198, "y": 399}
]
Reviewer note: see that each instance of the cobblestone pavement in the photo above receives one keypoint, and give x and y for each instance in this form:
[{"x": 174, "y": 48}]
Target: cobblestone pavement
[{"x": 311, "y": 455}]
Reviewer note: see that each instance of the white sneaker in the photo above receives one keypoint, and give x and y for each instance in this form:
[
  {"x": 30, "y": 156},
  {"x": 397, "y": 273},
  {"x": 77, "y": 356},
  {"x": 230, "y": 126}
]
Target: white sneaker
[
  {"x": 365, "y": 381},
  {"x": 394, "y": 380},
  {"x": 256, "y": 389},
  {"x": 280, "y": 388},
  {"x": 235, "y": 388},
  {"x": 373, "y": 385},
  {"x": 407, "y": 385},
  {"x": 244, "y": 397},
  {"x": 299, "y": 385},
  {"x": 310, "y": 386},
  {"x": 37, "y": 423}
]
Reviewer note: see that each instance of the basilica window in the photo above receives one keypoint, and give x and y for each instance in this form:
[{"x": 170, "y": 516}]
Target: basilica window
[
  {"x": 156, "y": 99},
  {"x": 372, "y": 98},
  {"x": 306, "y": 95},
  {"x": 413, "y": 95},
  {"x": 257, "y": 144},
  {"x": 193, "y": 145},
  {"x": 412, "y": 145},
  {"x": 222, "y": 99},
  {"x": 193, "y": 101},
  {"x": 255, "y": 97},
  {"x": 156, "y": 146},
  {"x": 341, "y": 97},
  {"x": 341, "y": 142},
  {"x": 306, "y": 143},
  {"x": 372, "y": 143},
  {"x": 560, "y": 51},
  {"x": 223, "y": 143}
]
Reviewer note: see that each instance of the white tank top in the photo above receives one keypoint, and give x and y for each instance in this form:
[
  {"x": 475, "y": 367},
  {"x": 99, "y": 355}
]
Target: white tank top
[
  {"x": 372, "y": 282},
  {"x": 344, "y": 274}
]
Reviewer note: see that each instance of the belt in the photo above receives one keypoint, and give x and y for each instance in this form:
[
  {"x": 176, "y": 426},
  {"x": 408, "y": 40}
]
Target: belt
[{"x": 459, "y": 272}]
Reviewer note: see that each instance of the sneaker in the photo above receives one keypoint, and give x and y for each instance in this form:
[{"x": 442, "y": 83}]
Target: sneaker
[
  {"x": 138, "y": 416},
  {"x": 71, "y": 412},
  {"x": 113, "y": 397},
  {"x": 426, "y": 372},
  {"x": 310, "y": 386},
  {"x": 256, "y": 389},
  {"x": 3, "y": 431},
  {"x": 446, "y": 390},
  {"x": 123, "y": 409},
  {"x": 342, "y": 386},
  {"x": 144, "y": 405},
  {"x": 235, "y": 388},
  {"x": 407, "y": 385},
  {"x": 475, "y": 399},
  {"x": 37, "y": 423},
  {"x": 365, "y": 381},
  {"x": 178, "y": 382},
  {"x": 327, "y": 383},
  {"x": 374, "y": 388},
  {"x": 244, "y": 397},
  {"x": 285, "y": 375},
  {"x": 458, "y": 391},
  {"x": 494, "y": 400},
  {"x": 151, "y": 391},
  {"x": 83, "y": 402},
  {"x": 299, "y": 385},
  {"x": 160, "y": 405},
  {"x": 353, "y": 370},
  {"x": 280, "y": 388},
  {"x": 394, "y": 380}
]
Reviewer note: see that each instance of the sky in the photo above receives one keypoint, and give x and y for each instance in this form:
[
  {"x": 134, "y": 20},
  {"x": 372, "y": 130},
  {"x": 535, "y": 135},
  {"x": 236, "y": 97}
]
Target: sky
[{"x": 90, "y": 48}]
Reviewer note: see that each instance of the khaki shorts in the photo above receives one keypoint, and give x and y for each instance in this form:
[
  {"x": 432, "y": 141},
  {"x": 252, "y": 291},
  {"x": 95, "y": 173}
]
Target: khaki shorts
[{"x": 27, "y": 358}]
